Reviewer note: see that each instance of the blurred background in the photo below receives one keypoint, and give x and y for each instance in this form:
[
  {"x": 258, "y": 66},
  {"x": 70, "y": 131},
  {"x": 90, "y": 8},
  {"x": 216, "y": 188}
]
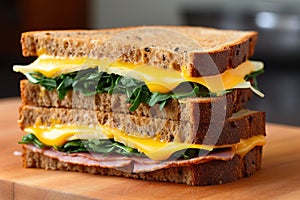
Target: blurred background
[{"x": 277, "y": 21}]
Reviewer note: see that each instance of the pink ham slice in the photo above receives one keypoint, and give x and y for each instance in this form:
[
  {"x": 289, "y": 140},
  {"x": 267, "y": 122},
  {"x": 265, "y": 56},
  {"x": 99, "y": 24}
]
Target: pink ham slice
[{"x": 132, "y": 164}]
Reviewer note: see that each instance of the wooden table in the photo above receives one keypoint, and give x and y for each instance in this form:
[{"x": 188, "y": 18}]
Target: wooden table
[{"x": 279, "y": 177}]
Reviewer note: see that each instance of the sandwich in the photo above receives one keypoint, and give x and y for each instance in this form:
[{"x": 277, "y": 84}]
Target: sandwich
[{"x": 158, "y": 103}]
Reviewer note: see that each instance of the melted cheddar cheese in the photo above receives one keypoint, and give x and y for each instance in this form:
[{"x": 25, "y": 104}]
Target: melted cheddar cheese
[
  {"x": 57, "y": 135},
  {"x": 157, "y": 79}
]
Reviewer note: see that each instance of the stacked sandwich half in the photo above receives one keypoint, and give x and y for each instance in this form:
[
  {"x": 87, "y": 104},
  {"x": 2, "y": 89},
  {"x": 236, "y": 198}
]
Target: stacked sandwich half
[{"x": 153, "y": 103}]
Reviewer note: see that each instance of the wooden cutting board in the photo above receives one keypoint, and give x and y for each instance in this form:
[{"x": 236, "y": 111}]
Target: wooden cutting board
[{"x": 279, "y": 177}]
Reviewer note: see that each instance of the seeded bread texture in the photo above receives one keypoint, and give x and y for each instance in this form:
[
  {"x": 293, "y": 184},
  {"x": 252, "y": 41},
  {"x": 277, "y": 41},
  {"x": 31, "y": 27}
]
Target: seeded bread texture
[
  {"x": 208, "y": 173},
  {"x": 241, "y": 125},
  {"x": 198, "y": 51},
  {"x": 201, "y": 109}
]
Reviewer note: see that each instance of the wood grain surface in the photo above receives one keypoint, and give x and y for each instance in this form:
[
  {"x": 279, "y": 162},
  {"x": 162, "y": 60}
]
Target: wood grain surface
[{"x": 279, "y": 177}]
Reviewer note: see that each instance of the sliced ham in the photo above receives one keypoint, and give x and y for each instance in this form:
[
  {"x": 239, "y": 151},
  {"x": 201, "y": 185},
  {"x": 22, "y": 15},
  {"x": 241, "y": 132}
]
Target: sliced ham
[{"x": 133, "y": 164}]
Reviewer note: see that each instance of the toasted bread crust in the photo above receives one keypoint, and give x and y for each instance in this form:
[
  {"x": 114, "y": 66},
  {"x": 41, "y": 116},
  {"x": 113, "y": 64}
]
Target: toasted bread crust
[
  {"x": 241, "y": 125},
  {"x": 208, "y": 173},
  {"x": 188, "y": 109},
  {"x": 197, "y": 50}
]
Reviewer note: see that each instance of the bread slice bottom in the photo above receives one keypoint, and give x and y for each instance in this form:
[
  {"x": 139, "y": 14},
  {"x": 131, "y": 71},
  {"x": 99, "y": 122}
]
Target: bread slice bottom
[{"x": 207, "y": 173}]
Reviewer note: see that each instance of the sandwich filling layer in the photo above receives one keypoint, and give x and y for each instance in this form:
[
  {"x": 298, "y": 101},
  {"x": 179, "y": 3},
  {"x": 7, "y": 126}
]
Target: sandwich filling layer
[
  {"x": 157, "y": 79},
  {"x": 59, "y": 135}
]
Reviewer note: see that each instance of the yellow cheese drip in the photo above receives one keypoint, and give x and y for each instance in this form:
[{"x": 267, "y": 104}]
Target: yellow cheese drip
[
  {"x": 157, "y": 79},
  {"x": 57, "y": 135},
  {"x": 245, "y": 145}
]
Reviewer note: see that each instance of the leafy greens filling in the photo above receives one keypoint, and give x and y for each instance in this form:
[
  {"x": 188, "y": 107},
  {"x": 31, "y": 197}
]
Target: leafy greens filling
[
  {"x": 91, "y": 82},
  {"x": 104, "y": 146}
]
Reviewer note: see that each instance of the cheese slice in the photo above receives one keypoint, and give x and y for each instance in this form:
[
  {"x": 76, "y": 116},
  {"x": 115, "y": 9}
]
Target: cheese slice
[
  {"x": 58, "y": 135},
  {"x": 245, "y": 145},
  {"x": 157, "y": 79}
]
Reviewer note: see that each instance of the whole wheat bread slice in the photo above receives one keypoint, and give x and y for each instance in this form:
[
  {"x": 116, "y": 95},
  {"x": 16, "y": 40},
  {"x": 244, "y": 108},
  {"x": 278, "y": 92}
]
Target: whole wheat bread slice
[
  {"x": 241, "y": 125},
  {"x": 198, "y": 109},
  {"x": 208, "y": 173},
  {"x": 197, "y": 50}
]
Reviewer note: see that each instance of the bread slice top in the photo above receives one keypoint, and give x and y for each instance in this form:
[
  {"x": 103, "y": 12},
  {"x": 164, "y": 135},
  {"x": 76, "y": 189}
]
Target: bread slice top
[{"x": 199, "y": 51}]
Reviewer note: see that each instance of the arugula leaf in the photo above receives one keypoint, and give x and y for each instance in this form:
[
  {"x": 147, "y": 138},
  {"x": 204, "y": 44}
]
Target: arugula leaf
[
  {"x": 125, "y": 148},
  {"x": 158, "y": 97},
  {"x": 73, "y": 146},
  {"x": 254, "y": 74},
  {"x": 38, "y": 78},
  {"x": 135, "y": 102},
  {"x": 32, "y": 139},
  {"x": 180, "y": 92},
  {"x": 252, "y": 78}
]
